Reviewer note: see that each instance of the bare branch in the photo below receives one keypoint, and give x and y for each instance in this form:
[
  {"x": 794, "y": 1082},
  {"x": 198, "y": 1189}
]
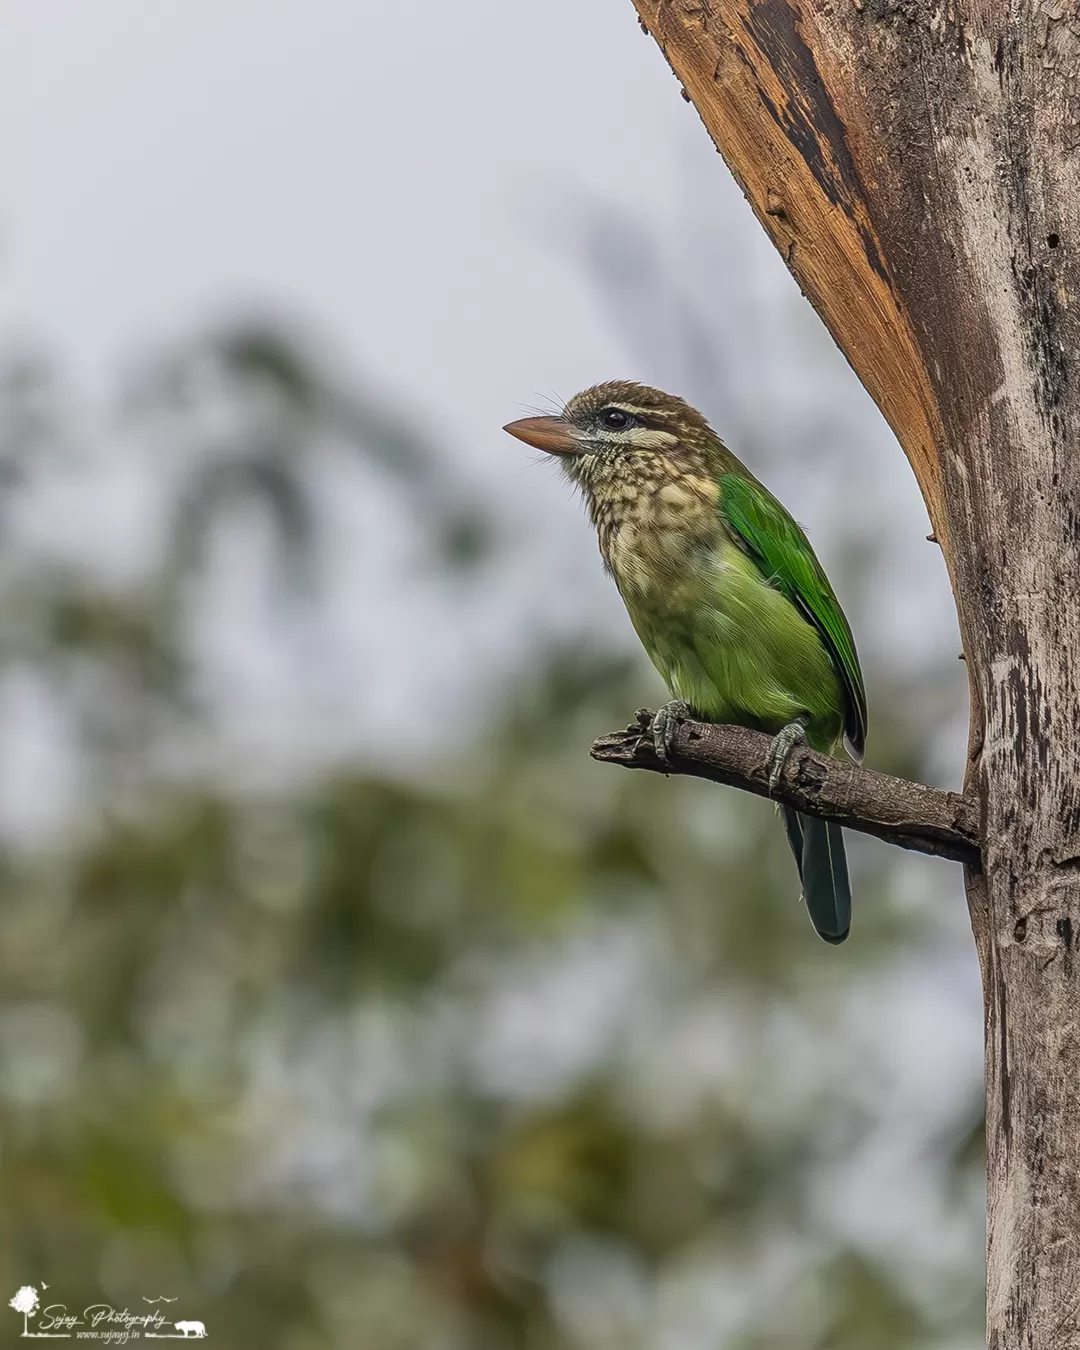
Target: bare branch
[{"x": 910, "y": 815}]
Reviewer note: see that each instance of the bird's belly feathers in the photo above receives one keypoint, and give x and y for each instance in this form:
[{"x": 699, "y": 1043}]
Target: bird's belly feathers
[{"x": 724, "y": 640}]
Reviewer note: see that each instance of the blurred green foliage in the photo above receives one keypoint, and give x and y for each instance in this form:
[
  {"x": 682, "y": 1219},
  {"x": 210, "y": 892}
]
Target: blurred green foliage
[{"x": 511, "y": 1051}]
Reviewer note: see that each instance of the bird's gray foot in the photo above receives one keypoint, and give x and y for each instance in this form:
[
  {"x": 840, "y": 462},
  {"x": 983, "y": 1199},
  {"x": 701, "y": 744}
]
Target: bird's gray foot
[
  {"x": 783, "y": 744},
  {"x": 665, "y": 724}
]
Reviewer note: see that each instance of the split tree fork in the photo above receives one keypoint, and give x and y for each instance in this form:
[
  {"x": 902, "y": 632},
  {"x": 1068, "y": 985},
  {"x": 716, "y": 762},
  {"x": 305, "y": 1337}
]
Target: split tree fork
[{"x": 918, "y": 167}]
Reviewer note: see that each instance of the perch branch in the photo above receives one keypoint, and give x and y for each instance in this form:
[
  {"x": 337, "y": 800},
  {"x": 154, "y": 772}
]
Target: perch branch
[{"x": 907, "y": 814}]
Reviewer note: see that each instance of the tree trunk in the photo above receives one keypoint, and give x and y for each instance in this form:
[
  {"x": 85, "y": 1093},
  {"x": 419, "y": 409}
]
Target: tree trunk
[{"x": 917, "y": 165}]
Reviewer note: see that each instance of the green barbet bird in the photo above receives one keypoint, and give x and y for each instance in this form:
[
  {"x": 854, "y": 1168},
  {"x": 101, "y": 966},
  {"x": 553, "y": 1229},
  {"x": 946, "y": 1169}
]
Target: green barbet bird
[{"x": 724, "y": 592}]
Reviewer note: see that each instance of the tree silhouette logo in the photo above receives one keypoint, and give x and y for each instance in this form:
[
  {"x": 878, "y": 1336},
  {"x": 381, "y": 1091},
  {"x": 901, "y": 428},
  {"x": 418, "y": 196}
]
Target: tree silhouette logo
[{"x": 25, "y": 1302}]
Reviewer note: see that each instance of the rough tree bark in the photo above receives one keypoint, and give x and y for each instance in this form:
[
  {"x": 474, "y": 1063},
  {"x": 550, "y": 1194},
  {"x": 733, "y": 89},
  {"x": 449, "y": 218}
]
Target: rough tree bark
[{"x": 916, "y": 164}]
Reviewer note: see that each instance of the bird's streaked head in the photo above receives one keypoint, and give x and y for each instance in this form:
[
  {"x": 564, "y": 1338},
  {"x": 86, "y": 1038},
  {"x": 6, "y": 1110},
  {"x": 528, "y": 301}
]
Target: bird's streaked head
[{"x": 613, "y": 422}]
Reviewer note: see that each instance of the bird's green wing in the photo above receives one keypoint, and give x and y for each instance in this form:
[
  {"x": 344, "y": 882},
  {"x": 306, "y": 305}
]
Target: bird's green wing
[{"x": 776, "y": 543}]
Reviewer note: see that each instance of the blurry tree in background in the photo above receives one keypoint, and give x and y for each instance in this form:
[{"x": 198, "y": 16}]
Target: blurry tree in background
[{"x": 506, "y": 1050}]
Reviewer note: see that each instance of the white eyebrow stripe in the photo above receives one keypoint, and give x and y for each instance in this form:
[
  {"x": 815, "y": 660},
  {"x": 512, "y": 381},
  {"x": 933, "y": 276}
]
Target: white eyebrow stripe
[{"x": 636, "y": 410}]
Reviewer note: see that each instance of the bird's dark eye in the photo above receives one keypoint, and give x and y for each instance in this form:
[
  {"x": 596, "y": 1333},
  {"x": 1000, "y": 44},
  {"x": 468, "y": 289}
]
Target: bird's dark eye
[{"x": 616, "y": 419}]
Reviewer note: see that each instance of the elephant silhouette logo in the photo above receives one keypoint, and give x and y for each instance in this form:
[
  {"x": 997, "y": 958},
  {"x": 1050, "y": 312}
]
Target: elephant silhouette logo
[{"x": 190, "y": 1328}]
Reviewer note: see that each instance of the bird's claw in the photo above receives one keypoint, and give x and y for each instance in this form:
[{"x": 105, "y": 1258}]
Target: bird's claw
[
  {"x": 665, "y": 724},
  {"x": 783, "y": 743}
]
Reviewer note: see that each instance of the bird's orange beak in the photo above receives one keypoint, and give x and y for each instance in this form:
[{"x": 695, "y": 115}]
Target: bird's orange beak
[{"x": 550, "y": 434}]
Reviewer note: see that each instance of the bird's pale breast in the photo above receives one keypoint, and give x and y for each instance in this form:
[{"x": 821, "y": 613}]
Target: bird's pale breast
[{"x": 722, "y": 637}]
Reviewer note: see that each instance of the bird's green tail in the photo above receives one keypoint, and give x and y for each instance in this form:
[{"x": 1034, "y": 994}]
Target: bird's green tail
[{"x": 818, "y": 846}]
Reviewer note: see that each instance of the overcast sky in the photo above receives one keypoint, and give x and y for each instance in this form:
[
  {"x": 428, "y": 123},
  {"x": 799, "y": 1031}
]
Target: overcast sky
[
  {"x": 402, "y": 180},
  {"x": 388, "y": 172}
]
